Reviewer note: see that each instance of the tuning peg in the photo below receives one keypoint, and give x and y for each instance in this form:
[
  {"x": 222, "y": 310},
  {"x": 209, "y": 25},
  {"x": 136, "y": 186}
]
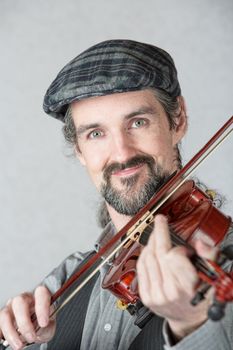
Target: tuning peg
[
  {"x": 216, "y": 310},
  {"x": 228, "y": 251}
]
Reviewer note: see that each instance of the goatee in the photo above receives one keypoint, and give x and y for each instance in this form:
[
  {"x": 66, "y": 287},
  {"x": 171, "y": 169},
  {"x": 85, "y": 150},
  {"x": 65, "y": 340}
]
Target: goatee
[{"x": 129, "y": 201}]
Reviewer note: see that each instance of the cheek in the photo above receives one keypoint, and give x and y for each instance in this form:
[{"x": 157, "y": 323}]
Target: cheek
[
  {"x": 161, "y": 149},
  {"x": 94, "y": 163},
  {"x": 159, "y": 146}
]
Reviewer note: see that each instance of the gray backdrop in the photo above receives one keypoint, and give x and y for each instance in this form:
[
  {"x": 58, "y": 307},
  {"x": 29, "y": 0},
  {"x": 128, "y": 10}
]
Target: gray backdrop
[{"x": 47, "y": 204}]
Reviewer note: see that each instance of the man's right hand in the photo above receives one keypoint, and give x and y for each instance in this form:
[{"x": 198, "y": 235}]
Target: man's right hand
[{"x": 16, "y": 325}]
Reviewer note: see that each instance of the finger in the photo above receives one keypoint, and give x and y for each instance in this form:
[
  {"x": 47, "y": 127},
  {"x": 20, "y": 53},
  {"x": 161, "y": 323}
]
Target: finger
[
  {"x": 143, "y": 280},
  {"x": 21, "y": 307},
  {"x": 183, "y": 274},
  {"x": 149, "y": 279},
  {"x": 8, "y": 329},
  {"x": 9, "y": 301},
  {"x": 45, "y": 334},
  {"x": 160, "y": 241},
  {"x": 42, "y": 305},
  {"x": 205, "y": 251}
]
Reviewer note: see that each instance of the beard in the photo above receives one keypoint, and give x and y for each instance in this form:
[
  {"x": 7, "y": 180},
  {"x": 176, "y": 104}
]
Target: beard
[{"x": 131, "y": 199}]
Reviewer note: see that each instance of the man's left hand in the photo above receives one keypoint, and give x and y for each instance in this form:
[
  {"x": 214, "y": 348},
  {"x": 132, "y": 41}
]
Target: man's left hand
[{"x": 167, "y": 280}]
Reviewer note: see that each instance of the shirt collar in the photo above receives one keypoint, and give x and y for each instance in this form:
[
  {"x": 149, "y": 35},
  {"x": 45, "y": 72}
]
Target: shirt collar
[{"x": 108, "y": 232}]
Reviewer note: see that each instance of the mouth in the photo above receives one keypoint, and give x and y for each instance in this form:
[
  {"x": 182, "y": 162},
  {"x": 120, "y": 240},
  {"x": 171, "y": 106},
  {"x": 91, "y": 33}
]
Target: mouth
[{"x": 128, "y": 171}]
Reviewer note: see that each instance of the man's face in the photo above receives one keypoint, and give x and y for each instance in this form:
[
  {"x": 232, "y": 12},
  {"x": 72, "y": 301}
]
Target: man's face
[{"x": 125, "y": 142}]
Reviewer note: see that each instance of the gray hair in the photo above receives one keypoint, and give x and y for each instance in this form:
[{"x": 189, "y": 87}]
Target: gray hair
[{"x": 69, "y": 130}]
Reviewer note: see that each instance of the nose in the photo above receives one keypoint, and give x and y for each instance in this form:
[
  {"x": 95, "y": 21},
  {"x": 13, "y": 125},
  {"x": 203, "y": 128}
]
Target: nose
[{"x": 122, "y": 147}]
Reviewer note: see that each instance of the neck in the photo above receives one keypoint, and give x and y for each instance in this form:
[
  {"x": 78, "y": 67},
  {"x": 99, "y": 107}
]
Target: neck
[{"x": 119, "y": 220}]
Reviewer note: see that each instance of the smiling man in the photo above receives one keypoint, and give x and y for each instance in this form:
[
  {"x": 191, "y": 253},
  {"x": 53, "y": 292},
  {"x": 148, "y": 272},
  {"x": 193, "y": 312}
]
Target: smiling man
[
  {"x": 124, "y": 114},
  {"x": 127, "y": 146}
]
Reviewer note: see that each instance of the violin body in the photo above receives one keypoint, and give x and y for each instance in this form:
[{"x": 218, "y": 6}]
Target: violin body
[{"x": 191, "y": 214}]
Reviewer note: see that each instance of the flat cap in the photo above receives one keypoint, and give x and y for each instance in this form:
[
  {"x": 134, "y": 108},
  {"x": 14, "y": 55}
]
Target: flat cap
[{"x": 109, "y": 67}]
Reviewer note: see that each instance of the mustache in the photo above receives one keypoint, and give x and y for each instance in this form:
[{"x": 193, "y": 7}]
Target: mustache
[{"x": 132, "y": 162}]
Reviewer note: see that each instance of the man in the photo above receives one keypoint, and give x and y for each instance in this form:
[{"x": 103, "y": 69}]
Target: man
[{"x": 123, "y": 111}]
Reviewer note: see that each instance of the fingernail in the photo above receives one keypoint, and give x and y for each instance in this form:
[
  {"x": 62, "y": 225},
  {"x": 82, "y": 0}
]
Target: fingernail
[
  {"x": 161, "y": 218},
  {"x": 43, "y": 321},
  {"x": 30, "y": 337},
  {"x": 40, "y": 339}
]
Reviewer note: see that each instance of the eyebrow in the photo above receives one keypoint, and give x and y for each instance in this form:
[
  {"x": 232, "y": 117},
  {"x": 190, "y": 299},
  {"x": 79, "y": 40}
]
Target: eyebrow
[
  {"x": 141, "y": 111},
  {"x": 83, "y": 128}
]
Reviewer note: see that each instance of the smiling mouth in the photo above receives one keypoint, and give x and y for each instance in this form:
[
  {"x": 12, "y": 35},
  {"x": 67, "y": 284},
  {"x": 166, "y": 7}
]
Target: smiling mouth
[{"x": 128, "y": 171}]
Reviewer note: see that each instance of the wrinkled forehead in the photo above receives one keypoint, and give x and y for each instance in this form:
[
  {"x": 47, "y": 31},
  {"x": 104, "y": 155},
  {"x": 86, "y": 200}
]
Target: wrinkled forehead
[
  {"x": 113, "y": 66},
  {"x": 114, "y": 110}
]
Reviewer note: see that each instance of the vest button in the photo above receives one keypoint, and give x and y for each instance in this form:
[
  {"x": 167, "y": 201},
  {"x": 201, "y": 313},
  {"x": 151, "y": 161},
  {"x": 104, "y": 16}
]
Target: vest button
[{"x": 107, "y": 327}]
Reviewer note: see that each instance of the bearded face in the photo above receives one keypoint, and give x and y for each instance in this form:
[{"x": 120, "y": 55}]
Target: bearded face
[
  {"x": 127, "y": 146},
  {"x": 133, "y": 194}
]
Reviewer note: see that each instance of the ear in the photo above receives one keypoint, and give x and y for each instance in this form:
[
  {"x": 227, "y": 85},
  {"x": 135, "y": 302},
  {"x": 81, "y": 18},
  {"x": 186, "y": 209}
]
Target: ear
[
  {"x": 79, "y": 155},
  {"x": 181, "y": 121}
]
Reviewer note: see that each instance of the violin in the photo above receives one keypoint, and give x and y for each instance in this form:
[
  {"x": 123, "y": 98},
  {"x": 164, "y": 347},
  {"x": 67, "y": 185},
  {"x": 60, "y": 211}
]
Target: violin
[{"x": 191, "y": 215}]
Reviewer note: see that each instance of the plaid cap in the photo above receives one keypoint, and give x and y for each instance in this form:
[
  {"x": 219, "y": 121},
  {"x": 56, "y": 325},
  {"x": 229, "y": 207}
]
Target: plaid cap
[{"x": 109, "y": 67}]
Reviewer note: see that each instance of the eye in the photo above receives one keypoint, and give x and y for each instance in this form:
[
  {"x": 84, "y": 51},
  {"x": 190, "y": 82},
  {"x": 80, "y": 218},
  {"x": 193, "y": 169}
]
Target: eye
[
  {"x": 95, "y": 134},
  {"x": 138, "y": 123}
]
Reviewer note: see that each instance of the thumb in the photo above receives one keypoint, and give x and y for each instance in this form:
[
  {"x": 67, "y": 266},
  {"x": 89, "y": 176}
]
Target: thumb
[{"x": 46, "y": 333}]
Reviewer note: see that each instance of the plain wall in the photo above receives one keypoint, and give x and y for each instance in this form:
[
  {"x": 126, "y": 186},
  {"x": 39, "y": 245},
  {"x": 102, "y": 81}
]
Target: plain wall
[{"x": 47, "y": 203}]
